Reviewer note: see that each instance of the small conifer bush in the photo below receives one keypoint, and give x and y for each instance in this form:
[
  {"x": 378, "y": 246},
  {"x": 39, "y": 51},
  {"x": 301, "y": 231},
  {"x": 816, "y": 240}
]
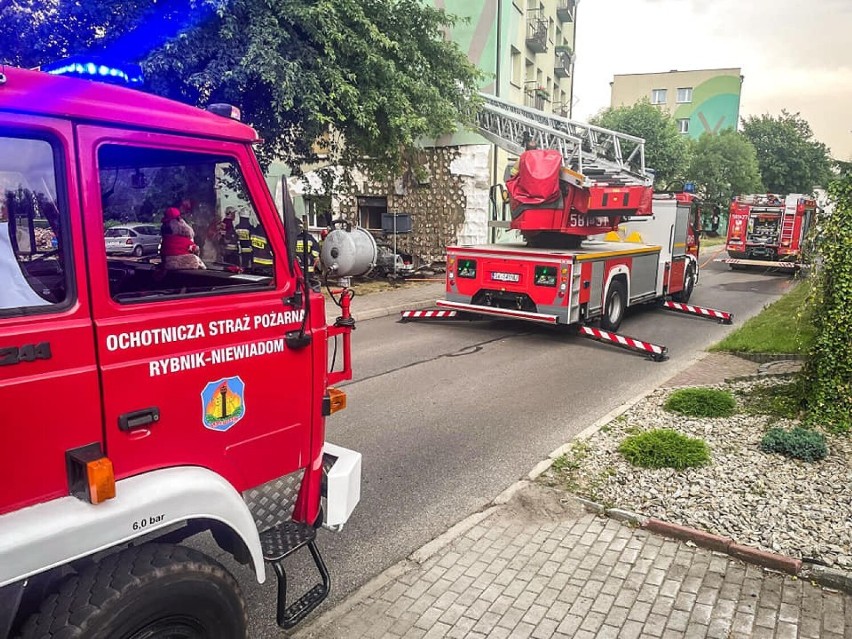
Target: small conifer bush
[
  {"x": 701, "y": 402},
  {"x": 664, "y": 448},
  {"x": 799, "y": 443}
]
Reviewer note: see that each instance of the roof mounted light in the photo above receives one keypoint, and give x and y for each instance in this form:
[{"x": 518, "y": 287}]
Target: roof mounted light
[
  {"x": 127, "y": 74},
  {"x": 225, "y": 110}
]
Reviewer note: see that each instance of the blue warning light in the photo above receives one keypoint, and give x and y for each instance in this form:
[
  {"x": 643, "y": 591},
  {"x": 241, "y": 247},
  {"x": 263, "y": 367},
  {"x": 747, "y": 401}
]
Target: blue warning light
[{"x": 127, "y": 74}]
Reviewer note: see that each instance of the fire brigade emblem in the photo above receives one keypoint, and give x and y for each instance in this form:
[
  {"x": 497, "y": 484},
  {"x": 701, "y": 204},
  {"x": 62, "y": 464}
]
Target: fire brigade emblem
[{"x": 223, "y": 403}]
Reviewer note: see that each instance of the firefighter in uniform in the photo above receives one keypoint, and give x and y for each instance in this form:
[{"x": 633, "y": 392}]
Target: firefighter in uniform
[
  {"x": 243, "y": 229},
  {"x": 305, "y": 242},
  {"x": 261, "y": 253}
]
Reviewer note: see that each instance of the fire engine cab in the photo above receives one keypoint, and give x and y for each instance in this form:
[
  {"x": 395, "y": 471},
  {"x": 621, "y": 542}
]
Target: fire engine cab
[
  {"x": 768, "y": 230},
  {"x": 597, "y": 239},
  {"x": 155, "y": 393}
]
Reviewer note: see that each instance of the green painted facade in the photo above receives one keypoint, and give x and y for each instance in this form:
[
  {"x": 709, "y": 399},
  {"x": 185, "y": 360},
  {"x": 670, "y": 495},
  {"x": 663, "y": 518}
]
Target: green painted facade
[{"x": 715, "y": 106}]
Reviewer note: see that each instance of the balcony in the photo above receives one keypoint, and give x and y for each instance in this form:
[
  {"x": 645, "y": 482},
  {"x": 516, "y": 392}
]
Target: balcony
[
  {"x": 565, "y": 10},
  {"x": 561, "y": 109},
  {"x": 535, "y": 96},
  {"x": 564, "y": 58},
  {"x": 536, "y": 31}
]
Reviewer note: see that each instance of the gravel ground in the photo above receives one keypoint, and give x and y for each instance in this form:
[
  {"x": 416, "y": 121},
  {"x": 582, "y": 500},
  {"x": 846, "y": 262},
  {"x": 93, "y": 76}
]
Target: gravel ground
[{"x": 765, "y": 500}]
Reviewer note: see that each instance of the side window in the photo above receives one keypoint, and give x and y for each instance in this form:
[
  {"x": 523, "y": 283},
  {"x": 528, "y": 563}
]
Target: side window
[
  {"x": 179, "y": 224},
  {"x": 33, "y": 227}
]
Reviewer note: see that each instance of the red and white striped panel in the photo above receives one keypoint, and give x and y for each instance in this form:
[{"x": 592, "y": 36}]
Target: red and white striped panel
[
  {"x": 427, "y": 314},
  {"x": 723, "y": 316},
  {"x": 658, "y": 353}
]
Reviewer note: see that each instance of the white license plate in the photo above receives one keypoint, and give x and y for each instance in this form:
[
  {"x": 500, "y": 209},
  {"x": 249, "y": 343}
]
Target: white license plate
[{"x": 505, "y": 277}]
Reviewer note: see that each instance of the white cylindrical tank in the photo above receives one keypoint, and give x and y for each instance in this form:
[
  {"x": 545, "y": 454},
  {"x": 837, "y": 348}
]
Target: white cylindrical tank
[{"x": 348, "y": 252}]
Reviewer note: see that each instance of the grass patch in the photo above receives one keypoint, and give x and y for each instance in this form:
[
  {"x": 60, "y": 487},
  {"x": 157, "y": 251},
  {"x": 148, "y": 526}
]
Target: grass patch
[
  {"x": 799, "y": 443},
  {"x": 664, "y": 448},
  {"x": 707, "y": 242},
  {"x": 782, "y": 327},
  {"x": 701, "y": 402},
  {"x": 776, "y": 400}
]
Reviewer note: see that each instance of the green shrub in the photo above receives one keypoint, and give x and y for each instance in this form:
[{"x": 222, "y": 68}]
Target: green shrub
[
  {"x": 800, "y": 443},
  {"x": 664, "y": 448},
  {"x": 701, "y": 402}
]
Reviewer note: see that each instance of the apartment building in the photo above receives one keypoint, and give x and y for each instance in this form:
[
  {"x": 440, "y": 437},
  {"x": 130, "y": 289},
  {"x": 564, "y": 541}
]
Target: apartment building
[{"x": 701, "y": 101}]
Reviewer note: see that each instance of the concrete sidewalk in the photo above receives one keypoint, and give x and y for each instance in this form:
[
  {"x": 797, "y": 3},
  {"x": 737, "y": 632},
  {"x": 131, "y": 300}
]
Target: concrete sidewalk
[{"x": 407, "y": 296}]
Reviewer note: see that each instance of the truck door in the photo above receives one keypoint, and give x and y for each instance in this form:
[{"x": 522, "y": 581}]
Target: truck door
[
  {"x": 48, "y": 378},
  {"x": 191, "y": 342}
]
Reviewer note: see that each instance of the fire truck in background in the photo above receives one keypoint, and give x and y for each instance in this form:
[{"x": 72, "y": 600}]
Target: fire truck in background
[
  {"x": 144, "y": 404},
  {"x": 768, "y": 230},
  {"x": 597, "y": 238}
]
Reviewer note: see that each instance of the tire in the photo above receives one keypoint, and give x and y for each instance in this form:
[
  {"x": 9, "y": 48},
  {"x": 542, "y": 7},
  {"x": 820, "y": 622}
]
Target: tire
[
  {"x": 688, "y": 286},
  {"x": 138, "y": 250},
  {"x": 615, "y": 306},
  {"x": 149, "y": 592}
]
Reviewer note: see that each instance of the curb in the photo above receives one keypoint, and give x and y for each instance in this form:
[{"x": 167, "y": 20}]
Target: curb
[{"x": 764, "y": 358}]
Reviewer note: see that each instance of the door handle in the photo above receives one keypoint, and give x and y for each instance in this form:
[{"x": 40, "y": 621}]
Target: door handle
[{"x": 138, "y": 418}]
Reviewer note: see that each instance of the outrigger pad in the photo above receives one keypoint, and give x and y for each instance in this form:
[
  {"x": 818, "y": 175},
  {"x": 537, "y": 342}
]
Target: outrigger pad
[{"x": 654, "y": 351}]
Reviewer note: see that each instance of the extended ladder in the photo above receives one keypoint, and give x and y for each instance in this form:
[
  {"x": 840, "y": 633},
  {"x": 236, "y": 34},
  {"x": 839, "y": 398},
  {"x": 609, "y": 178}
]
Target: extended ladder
[{"x": 594, "y": 156}]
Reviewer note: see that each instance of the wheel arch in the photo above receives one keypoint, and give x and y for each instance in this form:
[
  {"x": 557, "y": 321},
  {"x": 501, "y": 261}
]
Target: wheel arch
[
  {"x": 62, "y": 531},
  {"x": 620, "y": 272}
]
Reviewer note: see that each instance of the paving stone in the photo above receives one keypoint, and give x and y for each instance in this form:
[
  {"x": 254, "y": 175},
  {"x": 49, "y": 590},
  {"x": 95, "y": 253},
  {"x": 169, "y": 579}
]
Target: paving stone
[{"x": 588, "y": 578}]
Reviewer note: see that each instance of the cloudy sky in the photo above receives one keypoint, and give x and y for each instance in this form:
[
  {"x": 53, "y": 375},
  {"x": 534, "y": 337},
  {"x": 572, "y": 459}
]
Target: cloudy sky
[{"x": 794, "y": 54}]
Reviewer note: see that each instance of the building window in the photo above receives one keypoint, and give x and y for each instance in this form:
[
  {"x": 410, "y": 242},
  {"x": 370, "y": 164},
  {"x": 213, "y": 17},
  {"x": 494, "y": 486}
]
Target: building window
[
  {"x": 658, "y": 96},
  {"x": 370, "y": 211},
  {"x": 684, "y": 95},
  {"x": 517, "y": 67},
  {"x": 683, "y": 125}
]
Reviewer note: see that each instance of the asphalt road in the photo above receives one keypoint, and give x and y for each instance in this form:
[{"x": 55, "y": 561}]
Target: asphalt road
[{"x": 448, "y": 415}]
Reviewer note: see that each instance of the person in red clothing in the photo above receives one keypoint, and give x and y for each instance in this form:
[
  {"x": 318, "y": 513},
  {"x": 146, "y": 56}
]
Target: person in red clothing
[{"x": 178, "y": 249}]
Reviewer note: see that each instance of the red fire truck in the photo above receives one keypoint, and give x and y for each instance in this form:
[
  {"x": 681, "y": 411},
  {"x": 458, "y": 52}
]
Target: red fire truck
[
  {"x": 597, "y": 238},
  {"x": 148, "y": 400},
  {"x": 768, "y": 230}
]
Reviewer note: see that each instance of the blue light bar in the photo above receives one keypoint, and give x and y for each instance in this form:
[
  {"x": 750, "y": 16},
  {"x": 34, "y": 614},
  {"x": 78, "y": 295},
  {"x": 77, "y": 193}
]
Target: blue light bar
[{"x": 93, "y": 69}]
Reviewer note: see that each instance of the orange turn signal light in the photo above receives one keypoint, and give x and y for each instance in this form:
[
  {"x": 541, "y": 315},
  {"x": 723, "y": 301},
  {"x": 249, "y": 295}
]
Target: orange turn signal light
[
  {"x": 334, "y": 400},
  {"x": 101, "y": 479}
]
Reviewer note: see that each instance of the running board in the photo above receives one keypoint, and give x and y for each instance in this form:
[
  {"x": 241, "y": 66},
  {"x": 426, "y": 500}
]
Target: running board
[
  {"x": 724, "y": 317},
  {"x": 655, "y": 352},
  {"x": 277, "y": 544},
  {"x": 763, "y": 263},
  {"x": 542, "y": 318}
]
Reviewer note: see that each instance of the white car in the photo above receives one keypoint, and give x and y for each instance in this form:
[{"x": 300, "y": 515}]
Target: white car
[{"x": 133, "y": 239}]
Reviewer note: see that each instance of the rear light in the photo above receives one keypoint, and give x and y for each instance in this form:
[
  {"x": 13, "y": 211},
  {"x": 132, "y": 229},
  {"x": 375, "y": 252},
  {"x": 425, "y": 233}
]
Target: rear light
[
  {"x": 91, "y": 476},
  {"x": 129, "y": 242},
  {"x": 334, "y": 401}
]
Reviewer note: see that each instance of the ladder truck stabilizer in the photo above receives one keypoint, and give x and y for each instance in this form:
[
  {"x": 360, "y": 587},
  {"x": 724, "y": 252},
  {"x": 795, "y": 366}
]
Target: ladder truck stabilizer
[
  {"x": 724, "y": 317},
  {"x": 764, "y": 263},
  {"x": 655, "y": 352}
]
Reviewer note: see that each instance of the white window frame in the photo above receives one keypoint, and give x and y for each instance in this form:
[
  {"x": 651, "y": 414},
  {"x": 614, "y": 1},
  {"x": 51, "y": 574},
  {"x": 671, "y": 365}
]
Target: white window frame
[
  {"x": 687, "y": 95},
  {"x": 683, "y": 125},
  {"x": 655, "y": 93}
]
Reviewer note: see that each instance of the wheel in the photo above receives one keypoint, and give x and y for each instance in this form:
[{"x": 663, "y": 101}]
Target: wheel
[
  {"x": 688, "y": 286},
  {"x": 615, "y": 305},
  {"x": 153, "y": 591},
  {"x": 138, "y": 250}
]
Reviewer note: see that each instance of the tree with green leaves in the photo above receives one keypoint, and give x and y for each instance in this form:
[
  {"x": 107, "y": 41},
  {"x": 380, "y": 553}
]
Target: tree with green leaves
[
  {"x": 667, "y": 152},
  {"x": 365, "y": 78},
  {"x": 790, "y": 159},
  {"x": 724, "y": 165}
]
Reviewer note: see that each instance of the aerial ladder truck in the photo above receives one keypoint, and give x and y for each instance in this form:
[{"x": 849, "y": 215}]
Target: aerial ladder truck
[{"x": 597, "y": 239}]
